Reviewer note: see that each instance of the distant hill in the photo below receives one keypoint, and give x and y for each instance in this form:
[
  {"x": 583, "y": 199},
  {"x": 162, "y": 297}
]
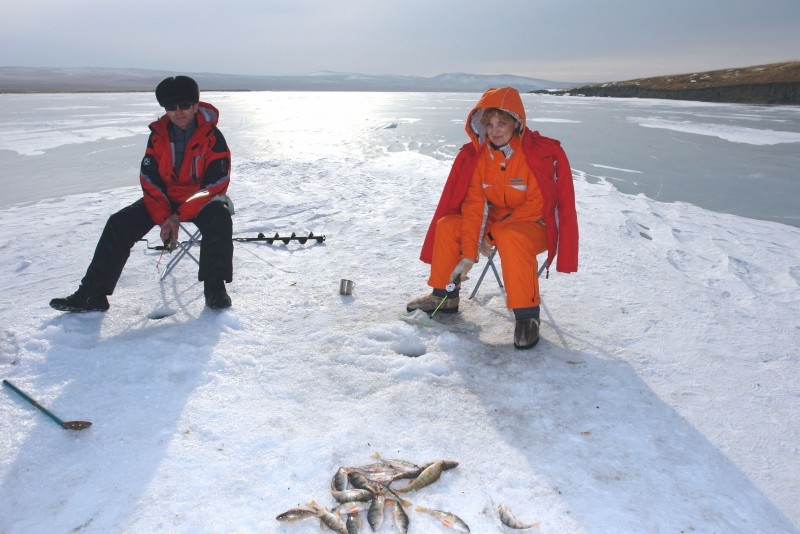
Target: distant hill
[
  {"x": 775, "y": 83},
  {"x": 39, "y": 80}
]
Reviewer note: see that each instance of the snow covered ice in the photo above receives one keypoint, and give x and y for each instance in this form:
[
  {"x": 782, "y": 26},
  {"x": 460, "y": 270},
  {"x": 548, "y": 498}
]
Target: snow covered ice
[{"x": 663, "y": 397}]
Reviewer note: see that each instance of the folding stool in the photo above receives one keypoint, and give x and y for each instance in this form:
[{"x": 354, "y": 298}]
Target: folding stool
[
  {"x": 183, "y": 250},
  {"x": 489, "y": 263}
]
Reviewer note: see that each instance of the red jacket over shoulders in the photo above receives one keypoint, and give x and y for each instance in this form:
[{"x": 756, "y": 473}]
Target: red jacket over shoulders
[
  {"x": 545, "y": 158},
  {"x": 549, "y": 163},
  {"x": 453, "y": 194}
]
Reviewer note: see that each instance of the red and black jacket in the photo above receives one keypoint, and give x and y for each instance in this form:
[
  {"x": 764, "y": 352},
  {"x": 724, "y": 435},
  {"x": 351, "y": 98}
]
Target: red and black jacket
[{"x": 204, "y": 173}]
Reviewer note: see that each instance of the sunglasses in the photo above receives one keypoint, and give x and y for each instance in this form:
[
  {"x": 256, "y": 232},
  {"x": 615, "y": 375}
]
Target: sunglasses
[{"x": 183, "y": 105}]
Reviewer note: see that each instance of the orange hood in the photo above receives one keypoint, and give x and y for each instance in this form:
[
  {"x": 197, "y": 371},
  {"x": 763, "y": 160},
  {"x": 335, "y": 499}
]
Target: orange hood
[{"x": 505, "y": 98}]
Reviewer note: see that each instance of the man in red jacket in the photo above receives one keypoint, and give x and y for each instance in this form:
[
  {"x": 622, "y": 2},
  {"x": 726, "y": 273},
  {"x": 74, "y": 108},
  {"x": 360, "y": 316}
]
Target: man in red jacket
[
  {"x": 184, "y": 177},
  {"x": 509, "y": 188}
]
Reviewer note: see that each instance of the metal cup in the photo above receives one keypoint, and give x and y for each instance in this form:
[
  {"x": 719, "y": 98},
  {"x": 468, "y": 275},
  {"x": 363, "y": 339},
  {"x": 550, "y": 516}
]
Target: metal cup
[{"x": 346, "y": 287}]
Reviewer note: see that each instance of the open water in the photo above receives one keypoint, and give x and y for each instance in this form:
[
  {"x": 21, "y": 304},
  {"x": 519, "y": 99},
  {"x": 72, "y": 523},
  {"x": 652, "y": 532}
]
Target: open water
[{"x": 729, "y": 158}]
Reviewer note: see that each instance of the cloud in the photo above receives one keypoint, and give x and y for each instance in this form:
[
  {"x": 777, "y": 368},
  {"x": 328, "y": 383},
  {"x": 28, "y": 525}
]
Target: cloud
[{"x": 570, "y": 40}]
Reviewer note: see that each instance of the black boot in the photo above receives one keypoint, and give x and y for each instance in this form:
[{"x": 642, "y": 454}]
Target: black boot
[
  {"x": 526, "y": 333},
  {"x": 216, "y": 296},
  {"x": 83, "y": 300}
]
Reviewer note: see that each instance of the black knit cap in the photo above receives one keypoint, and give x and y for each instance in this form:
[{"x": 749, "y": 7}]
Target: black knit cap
[{"x": 176, "y": 90}]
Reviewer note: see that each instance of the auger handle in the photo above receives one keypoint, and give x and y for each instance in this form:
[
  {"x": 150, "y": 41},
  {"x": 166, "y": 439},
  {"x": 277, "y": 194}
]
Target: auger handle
[{"x": 71, "y": 425}]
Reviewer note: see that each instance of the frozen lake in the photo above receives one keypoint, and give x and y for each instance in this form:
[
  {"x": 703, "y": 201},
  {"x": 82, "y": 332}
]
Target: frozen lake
[
  {"x": 727, "y": 158},
  {"x": 662, "y": 397}
]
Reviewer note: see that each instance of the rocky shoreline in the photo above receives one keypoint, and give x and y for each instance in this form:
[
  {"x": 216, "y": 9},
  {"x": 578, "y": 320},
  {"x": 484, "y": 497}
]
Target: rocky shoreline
[{"x": 773, "y": 84}]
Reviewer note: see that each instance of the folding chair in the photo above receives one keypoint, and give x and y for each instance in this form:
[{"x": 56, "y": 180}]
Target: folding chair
[
  {"x": 183, "y": 250},
  {"x": 489, "y": 263}
]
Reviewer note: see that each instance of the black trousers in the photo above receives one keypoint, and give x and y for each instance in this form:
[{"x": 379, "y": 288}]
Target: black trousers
[{"x": 130, "y": 224}]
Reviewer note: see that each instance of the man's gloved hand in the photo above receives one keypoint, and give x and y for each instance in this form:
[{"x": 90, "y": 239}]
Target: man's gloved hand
[
  {"x": 169, "y": 229},
  {"x": 462, "y": 269}
]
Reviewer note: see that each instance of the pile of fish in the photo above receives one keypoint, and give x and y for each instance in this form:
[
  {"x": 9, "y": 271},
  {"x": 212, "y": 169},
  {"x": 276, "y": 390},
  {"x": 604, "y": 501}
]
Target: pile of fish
[{"x": 369, "y": 489}]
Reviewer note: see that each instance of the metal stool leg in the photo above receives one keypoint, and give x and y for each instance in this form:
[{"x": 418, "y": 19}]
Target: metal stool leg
[
  {"x": 183, "y": 250},
  {"x": 489, "y": 263}
]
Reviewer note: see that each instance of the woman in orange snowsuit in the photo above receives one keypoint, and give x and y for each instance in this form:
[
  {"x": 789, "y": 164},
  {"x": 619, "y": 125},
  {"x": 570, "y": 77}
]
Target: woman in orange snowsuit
[{"x": 525, "y": 181}]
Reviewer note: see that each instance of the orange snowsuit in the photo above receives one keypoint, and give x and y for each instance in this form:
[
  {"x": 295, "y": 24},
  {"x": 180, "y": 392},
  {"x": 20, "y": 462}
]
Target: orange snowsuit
[{"x": 530, "y": 200}]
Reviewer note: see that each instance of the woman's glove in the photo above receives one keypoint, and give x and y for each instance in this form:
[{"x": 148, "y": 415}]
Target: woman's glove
[
  {"x": 462, "y": 269},
  {"x": 486, "y": 247}
]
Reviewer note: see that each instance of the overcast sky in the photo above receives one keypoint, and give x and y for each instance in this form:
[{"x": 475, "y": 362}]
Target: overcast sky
[{"x": 559, "y": 40}]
